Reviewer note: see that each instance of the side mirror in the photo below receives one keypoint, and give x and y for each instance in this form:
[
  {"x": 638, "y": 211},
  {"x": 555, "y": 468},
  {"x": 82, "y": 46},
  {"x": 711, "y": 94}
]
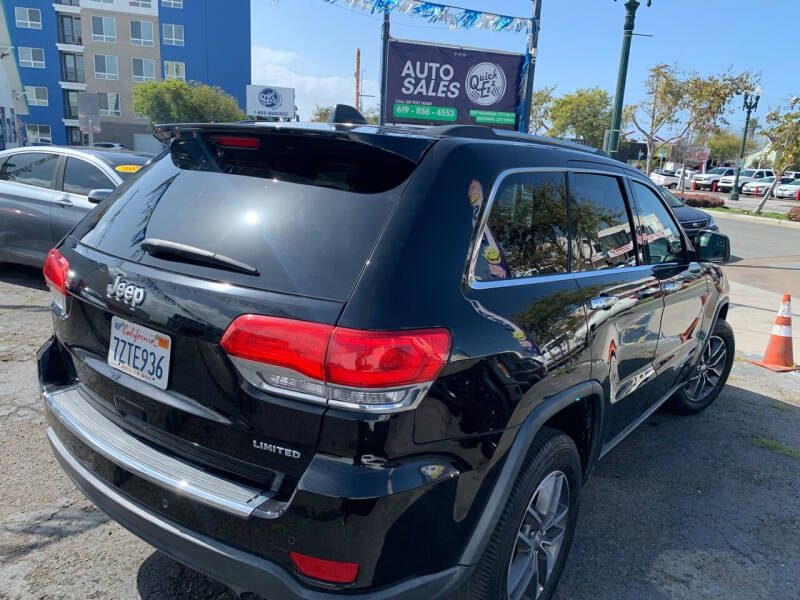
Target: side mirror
[
  {"x": 96, "y": 195},
  {"x": 713, "y": 247}
]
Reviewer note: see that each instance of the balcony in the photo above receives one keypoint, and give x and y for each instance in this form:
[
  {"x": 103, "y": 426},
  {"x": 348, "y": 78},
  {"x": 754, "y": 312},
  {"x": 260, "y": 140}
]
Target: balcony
[{"x": 72, "y": 7}]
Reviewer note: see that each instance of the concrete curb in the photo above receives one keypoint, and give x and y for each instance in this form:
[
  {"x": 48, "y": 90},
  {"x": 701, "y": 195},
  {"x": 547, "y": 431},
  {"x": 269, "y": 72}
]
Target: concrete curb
[{"x": 754, "y": 219}]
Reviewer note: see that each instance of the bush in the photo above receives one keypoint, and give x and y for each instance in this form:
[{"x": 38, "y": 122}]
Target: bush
[
  {"x": 794, "y": 214},
  {"x": 704, "y": 201}
]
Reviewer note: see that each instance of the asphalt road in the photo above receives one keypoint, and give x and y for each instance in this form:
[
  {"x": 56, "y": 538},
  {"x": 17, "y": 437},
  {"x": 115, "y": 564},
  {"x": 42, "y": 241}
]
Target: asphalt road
[{"x": 685, "y": 508}]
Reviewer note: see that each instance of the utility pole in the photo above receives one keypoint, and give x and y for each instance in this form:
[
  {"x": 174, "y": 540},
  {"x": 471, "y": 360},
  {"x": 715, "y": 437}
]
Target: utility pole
[
  {"x": 533, "y": 52},
  {"x": 384, "y": 65},
  {"x": 612, "y": 142},
  {"x": 749, "y": 105},
  {"x": 358, "y": 79}
]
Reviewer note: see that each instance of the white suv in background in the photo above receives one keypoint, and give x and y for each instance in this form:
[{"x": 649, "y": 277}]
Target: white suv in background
[
  {"x": 745, "y": 176},
  {"x": 710, "y": 180}
]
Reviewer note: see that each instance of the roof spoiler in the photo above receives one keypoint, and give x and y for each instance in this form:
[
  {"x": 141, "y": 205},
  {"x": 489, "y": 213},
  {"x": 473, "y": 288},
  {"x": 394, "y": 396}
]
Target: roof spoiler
[{"x": 344, "y": 113}]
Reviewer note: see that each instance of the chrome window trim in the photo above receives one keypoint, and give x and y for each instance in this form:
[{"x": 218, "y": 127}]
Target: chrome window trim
[{"x": 476, "y": 247}]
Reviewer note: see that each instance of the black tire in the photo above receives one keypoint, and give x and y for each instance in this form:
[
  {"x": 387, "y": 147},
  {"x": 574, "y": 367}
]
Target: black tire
[
  {"x": 684, "y": 402},
  {"x": 551, "y": 452}
]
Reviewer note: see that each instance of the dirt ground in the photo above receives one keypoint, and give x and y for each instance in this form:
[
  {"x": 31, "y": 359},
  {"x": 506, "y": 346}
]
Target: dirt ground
[{"x": 700, "y": 507}]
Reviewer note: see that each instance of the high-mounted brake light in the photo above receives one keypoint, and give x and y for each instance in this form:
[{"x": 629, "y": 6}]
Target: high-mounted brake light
[
  {"x": 325, "y": 570},
  {"x": 56, "y": 275},
  {"x": 236, "y": 141},
  {"x": 348, "y": 368}
]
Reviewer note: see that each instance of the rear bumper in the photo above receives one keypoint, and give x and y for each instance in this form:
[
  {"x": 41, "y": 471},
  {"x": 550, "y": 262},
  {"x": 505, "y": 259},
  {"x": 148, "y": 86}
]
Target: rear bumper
[{"x": 240, "y": 570}]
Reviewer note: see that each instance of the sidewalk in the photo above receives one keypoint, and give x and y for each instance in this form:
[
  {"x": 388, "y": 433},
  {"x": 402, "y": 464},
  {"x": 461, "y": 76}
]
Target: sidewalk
[{"x": 752, "y": 314}]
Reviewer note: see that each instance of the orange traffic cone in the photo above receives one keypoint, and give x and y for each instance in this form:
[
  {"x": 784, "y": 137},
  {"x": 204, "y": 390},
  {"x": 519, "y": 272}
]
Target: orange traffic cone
[{"x": 778, "y": 356}]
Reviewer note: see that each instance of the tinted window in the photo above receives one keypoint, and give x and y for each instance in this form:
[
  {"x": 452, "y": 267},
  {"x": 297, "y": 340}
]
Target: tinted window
[
  {"x": 80, "y": 177},
  {"x": 660, "y": 238},
  {"x": 746, "y": 173},
  {"x": 33, "y": 168},
  {"x": 526, "y": 233},
  {"x": 601, "y": 227}
]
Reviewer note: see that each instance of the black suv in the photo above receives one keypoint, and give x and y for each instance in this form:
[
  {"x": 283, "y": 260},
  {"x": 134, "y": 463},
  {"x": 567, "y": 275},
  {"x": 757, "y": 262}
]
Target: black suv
[{"x": 318, "y": 361}]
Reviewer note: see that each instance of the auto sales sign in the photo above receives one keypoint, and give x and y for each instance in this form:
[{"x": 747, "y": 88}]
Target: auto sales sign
[
  {"x": 438, "y": 85},
  {"x": 270, "y": 101}
]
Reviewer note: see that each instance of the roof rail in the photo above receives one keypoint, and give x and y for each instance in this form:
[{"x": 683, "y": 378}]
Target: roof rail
[{"x": 487, "y": 133}]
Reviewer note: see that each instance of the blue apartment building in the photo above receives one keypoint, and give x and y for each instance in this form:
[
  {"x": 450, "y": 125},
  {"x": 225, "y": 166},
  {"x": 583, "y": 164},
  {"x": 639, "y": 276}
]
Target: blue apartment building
[{"x": 64, "y": 47}]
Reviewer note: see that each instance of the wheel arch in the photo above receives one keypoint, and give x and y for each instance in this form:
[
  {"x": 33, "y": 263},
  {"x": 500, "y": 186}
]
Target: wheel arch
[{"x": 568, "y": 409}]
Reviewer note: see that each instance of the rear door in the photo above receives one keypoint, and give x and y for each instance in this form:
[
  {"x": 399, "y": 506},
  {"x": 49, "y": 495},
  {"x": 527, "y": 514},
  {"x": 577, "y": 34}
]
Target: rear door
[
  {"x": 26, "y": 194},
  {"x": 77, "y": 177},
  {"x": 683, "y": 282},
  {"x": 622, "y": 297}
]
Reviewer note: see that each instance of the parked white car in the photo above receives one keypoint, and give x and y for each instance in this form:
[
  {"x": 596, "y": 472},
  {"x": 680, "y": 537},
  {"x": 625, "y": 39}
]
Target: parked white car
[
  {"x": 788, "y": 190},
  {"x": 745, "y": 176},
  {"x": 710, "y": 180},
  {"x": 672, "y": 179},
  {"x": 760, "y": 186}
]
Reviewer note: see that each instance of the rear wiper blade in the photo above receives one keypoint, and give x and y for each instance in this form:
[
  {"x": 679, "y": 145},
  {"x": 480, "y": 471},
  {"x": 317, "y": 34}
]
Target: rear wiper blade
[{"x": 166, "y": 248}]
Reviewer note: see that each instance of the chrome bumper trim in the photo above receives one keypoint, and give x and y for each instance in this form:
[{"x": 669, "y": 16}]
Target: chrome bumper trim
[{"x": 125, "y": 450}]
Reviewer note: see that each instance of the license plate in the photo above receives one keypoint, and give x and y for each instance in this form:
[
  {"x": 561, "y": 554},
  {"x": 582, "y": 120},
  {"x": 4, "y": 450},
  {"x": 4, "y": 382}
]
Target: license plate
[{"x": 140, "y": 352}]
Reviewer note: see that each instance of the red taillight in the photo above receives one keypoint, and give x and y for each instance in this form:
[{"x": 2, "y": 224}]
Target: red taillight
[
  {"x": 346, "y": 366},
  {"x": 325, "y": 570},
  {"x": 55, "y": 271},
  {"x": 296, "y": 345},
  {"x": 56, "y": 275},
  {"x": 380, "y": 359},
  {"x": 236, "y": 141}
]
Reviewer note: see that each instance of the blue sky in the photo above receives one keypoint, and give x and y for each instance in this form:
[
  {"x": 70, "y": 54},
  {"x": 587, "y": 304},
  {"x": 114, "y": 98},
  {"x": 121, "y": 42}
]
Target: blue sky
[{"x": 311, "y": 45}]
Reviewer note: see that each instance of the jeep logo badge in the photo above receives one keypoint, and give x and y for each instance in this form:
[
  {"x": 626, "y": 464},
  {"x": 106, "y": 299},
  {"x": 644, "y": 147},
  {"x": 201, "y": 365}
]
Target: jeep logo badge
[{"x": 125, "y": 291}]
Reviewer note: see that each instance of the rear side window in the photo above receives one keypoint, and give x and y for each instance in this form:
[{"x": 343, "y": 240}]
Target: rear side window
[
  {"x": 601, "y": 225},
  {"x": 31, "y": 168},
  {"x": 80, "y": 177},
  {"x": 526, "y": 233},
  {"x": 660, "y": 237}
]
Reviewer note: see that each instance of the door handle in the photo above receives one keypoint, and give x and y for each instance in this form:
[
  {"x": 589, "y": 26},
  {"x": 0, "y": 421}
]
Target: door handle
[
  {"x": 602, "y": 302},
  {"x": 64, "y": 201}
]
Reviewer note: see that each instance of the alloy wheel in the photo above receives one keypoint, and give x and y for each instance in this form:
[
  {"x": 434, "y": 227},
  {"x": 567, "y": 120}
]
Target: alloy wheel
[
  {"x": 540, "y": 537},
  {"x": 708, "y": 372}
]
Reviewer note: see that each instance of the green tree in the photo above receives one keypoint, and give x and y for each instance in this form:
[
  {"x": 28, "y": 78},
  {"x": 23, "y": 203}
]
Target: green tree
[
  {"x": 584, "y": 113},
  {"x": 782, "y": 128},
  {"x": 176, "y": 101},
  {"x": 725, "y": 146},
  {"x": 320, "y": 114},
  {"x": 678, "y": 105},
  {"x": 541, "y": 105}
]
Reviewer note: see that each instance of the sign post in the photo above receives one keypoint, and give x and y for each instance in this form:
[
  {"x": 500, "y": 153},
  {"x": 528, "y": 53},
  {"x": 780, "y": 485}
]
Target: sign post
[
  {"x": 430, "y": 84},
  {"x": 270, "y": 101},
  {"x": 89, "y": 114}
]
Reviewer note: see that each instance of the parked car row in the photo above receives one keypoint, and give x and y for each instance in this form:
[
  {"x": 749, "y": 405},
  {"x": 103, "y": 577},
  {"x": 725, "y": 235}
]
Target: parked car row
[
  {"x": 760, "y": 186},
  {"x": 672, "y": 179}
]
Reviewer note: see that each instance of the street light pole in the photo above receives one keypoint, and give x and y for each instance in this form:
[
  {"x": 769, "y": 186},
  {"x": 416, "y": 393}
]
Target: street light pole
[
  {"x": 612, "y": 142},
  {"x": 749, "y": 105}
]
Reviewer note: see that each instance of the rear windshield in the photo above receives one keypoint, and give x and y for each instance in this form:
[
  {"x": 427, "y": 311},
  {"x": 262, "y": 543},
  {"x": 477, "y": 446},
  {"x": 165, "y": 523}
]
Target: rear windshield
[{"x": 304, "y": 216}]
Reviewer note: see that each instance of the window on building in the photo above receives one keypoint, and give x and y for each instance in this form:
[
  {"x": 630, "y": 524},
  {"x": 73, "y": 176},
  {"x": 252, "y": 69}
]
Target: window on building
[
  {"x": 32, "y": 168},
  {"x": 659, "y": 236},
  {"x": 104, "y": 29},
  {"x": 144, "y": 69},
  {"x": 28, "y": 18},
  {"x": 81, "y": 177},
  {"x": 104, "y": 1},
  {"x": 72, "y": 68},
  {"x": 70, "y": 104},
  {"x": 109, "y": 104},
  {"x": 172, "y": 3},
  {"x": 601, "y": 226},
  {"x": 69, "y": 30},
  {"x": 174, "y": 69},
  {"x": 173, "y": 34},
  {"x": 106, "y": 66},
  {"x": 141, "y": 3},
  {"x": 142, "y": 33},
  {"x": 69, "y": 2},
  {"x": 37, "y": 96},
  {"x": 31, "y": 57},
  {"x": 526, "y": 234}
]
